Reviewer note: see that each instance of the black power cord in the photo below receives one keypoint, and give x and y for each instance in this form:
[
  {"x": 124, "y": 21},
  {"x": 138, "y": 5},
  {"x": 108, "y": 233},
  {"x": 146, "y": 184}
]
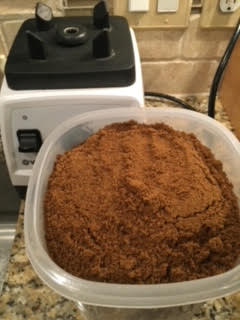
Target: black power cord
[
  {"x": 182, "y": 103},
  {"x": 220, "y": 70},
  {"x": 215, "y": 83}
]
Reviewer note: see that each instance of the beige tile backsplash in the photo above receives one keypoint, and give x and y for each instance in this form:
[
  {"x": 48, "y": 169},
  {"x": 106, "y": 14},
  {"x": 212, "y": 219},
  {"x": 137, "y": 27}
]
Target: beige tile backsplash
[
  {"x": 3, "y": 49},
  {"x": 178, "y": 77},
  {"x": 203, "y": 43},
  {"x": 173, "y": 61},
  {"x": 2, "y": 62},
  {"x": 157, "y": 45},
  {"x": 9, "y": 30}
]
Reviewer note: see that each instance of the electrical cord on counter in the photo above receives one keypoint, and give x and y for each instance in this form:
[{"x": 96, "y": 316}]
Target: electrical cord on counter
[
  {"x": 215, "y": 83},
  {"x": 182, "y": 103}
]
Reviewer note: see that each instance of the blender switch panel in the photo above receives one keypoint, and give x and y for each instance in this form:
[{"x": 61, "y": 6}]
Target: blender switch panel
[{"x": 29, "y": 140}]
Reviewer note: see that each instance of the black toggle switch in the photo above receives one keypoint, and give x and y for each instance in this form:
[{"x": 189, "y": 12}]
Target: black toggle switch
[
  {"x": 101, "y": 16},
  {"x": 30, "y": 140},
  {"x": 44, "y": 17}
]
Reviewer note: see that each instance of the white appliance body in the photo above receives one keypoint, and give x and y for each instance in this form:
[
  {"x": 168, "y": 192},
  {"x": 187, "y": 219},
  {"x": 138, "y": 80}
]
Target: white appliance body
[{"x": 45, "y": 109}]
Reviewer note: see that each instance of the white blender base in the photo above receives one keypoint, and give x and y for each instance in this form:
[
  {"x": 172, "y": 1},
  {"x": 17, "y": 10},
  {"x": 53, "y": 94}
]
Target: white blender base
[{"x": 46, "y": 109}]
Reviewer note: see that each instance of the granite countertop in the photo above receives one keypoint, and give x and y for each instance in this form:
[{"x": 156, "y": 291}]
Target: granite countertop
[{"x": 24, "y": 295}]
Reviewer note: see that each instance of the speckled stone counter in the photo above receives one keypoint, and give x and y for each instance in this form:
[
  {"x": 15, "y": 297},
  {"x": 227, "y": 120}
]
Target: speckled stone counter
[{"x": 24, "y": 295}]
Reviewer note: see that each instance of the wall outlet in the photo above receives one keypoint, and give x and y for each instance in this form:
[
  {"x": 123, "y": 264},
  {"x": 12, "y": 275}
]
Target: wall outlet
[
  {"x": 229, "y": 5},
  {"x": 213, "y": 17}
]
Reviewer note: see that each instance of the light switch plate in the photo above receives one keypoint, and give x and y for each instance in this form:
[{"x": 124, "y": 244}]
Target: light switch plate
[
  {"x": 167, "y": 6},
  {"x": 153, "y": 19},
  {"x": 138, "y": 5}
]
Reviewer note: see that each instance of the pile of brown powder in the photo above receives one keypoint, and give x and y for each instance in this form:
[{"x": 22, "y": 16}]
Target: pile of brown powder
[{"x": 141, "y": 203}]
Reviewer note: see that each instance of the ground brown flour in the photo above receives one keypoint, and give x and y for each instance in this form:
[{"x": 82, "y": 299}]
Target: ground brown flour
[{"x": 141, "y": 204}]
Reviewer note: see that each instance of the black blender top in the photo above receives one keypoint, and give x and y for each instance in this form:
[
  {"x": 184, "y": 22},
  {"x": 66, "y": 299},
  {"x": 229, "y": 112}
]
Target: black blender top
[{"x": 71, "y": 52}]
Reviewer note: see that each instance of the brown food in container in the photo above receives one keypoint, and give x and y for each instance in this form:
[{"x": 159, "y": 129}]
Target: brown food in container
[{"x": 141, "y": 204}]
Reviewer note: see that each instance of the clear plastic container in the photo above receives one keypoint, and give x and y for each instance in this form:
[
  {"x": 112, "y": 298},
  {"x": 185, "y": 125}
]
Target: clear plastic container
[{"x": 70, "y": 133}]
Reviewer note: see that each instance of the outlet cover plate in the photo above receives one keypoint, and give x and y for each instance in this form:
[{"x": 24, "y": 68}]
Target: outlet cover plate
[{"x": 213, "y": 17}]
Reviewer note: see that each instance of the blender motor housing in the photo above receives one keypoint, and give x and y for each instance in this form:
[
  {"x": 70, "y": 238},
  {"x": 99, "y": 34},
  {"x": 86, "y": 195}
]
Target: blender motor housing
[{"x": 61, "y": 67}]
